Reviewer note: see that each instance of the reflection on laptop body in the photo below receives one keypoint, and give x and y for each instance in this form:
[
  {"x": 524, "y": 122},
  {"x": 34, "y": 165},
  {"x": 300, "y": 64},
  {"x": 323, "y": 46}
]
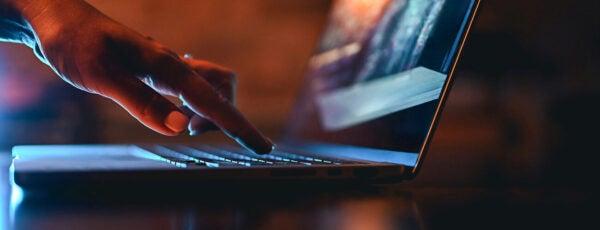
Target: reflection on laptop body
[{"x": 367, "y": 110}]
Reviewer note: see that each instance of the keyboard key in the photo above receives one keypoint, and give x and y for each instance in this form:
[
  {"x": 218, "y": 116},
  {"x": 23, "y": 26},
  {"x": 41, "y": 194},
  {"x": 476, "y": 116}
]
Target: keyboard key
[{"x": 232, "y": 156}]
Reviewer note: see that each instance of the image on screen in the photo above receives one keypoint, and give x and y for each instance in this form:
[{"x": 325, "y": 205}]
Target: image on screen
[{"x": 377, "y": 73}]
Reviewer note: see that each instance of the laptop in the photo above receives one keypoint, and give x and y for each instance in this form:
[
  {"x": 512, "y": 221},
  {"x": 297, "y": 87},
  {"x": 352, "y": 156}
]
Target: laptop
[{"x": 367, "y": 111}]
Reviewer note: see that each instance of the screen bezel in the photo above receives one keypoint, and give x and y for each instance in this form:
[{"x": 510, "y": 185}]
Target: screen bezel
[{"x": 465, "y": 29}]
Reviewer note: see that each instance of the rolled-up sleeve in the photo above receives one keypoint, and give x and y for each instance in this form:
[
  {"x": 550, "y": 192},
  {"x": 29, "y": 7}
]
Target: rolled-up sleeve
[{"x": 16, "y": 29}]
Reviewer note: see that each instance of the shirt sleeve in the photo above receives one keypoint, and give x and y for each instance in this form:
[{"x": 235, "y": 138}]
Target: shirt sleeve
[{"x": 15, "y": 29}]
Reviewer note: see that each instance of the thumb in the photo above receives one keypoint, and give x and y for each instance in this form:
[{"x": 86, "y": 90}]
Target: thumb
[{"x": 148, "y": 107}]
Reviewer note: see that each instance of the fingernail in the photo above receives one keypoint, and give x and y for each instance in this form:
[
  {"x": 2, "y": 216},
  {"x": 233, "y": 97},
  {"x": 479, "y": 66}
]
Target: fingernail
[
  {"x": 261, "y": 145},
  {"x": 176, "y": 121},
  {"x": 270, "y": 146}
]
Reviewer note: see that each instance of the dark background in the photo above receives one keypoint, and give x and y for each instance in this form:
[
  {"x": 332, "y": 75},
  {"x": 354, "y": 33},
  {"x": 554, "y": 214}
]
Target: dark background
[{"x": 521, "y": 112}]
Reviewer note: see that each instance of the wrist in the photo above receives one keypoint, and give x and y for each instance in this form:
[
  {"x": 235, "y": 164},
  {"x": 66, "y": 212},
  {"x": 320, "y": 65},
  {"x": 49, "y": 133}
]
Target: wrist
[
  {"x": 48, "y": 22},
  {"x": 48, "y": 18}
]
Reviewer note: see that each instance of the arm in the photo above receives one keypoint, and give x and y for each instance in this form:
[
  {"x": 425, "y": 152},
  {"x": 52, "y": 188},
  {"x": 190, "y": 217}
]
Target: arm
[{"x": 97, "y": 54}]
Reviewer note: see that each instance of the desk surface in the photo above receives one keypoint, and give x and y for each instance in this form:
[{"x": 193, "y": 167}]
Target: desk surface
[{"x": 377, "y": 207}]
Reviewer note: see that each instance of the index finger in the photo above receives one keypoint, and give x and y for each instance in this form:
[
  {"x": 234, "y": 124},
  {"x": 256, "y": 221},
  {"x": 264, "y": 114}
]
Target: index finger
[{"x": 200, "y": 97}]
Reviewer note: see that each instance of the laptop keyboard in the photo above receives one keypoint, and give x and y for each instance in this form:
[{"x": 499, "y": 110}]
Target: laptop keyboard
[{"x": 223, "y": 156}]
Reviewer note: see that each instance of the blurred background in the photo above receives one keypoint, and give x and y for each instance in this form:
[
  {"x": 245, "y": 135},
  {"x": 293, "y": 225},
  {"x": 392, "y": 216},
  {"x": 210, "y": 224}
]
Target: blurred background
[{"x": 521, "y": 112}]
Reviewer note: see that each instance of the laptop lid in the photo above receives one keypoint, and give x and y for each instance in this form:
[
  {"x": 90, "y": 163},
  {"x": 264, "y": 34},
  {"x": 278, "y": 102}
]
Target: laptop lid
[{"x": 379, "y": 76}]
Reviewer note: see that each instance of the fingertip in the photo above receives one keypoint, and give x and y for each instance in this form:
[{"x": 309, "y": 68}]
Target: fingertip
[
  {"x": 176, "y": 121},
  {"x": 268, "y": 148},
  {"x": 258, "y": 145}
]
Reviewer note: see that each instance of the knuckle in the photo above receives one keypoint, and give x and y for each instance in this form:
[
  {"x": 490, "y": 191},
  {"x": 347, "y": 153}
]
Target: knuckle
[
  {"x": 159, "y": 54},
  {"x": 162, "y": 57},
  {"x": 220, "y": 77},
  {"x": 230, "y": 77}
]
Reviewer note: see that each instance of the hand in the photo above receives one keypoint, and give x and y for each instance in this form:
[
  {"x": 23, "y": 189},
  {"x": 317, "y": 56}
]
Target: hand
[{"x": 98, "y": 55}]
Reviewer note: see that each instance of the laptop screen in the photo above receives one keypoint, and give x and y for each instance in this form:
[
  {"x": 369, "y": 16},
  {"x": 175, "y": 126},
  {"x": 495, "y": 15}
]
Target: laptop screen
[{"x": 377, "y": 74}]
